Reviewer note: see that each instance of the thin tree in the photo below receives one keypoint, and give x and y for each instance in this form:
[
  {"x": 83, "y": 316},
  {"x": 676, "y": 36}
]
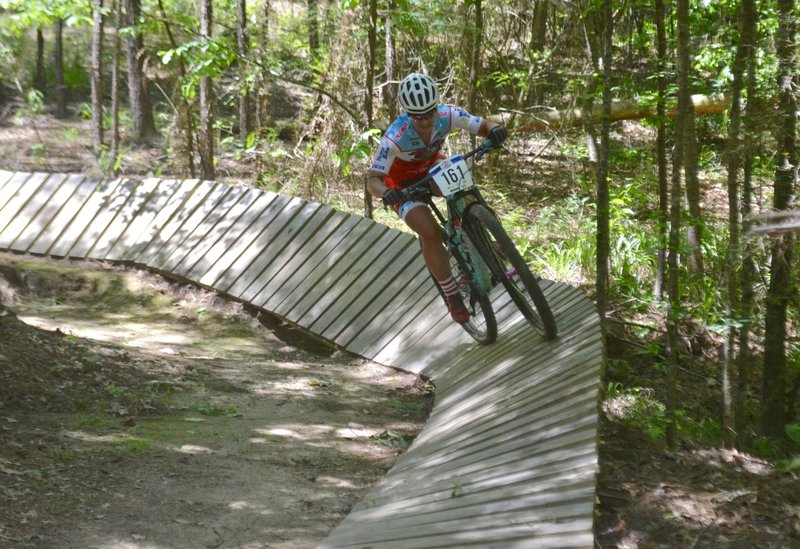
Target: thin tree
[
  {"x": 97, "y": 78},
  {"x": 694, "y": 229},
  {"x": 603, "y": 199},
  {"x": 144, "y": 129},
  {"x": 369, "y": 89},
  {"x": 390, "y": 90},
  {"x": 748, "y": 271},
  {"x": 185, "y": 111},
  {"x": 262, "y": 112},
  {"x": 312, "y": 19},
  {"x": 661, "y": 149},
  {"x": 206, "y": 100},
  {"x": 781, "y": 286},
  {"x": 39, "y": 77},
  {"x": 678, "y": 173},
  {"x": 475, "y": 57},
  {"x": 58, "y": 57},
  {"x": 734, "y": 156},
  {"x": 245, "y": 109},
  {"x": 115, "y": 81}
]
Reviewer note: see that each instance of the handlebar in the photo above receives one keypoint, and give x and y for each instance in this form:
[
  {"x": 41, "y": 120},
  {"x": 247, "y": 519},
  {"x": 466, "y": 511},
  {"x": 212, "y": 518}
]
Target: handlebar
[{"x": 422, "y": 186}]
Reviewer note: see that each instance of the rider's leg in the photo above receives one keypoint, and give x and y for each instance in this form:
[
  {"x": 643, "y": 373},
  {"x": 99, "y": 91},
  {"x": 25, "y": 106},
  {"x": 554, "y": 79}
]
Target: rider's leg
[{"x": 422, "y": 222}]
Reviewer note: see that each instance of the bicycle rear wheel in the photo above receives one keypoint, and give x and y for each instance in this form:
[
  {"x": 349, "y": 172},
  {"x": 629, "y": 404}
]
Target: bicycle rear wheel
[
  {"x": 482, "y": 325},
  {"x": 509, "y": 268}
]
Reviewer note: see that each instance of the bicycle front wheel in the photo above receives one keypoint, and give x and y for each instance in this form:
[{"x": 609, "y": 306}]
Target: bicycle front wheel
[
  {"x": 482, "y": 326},
  {"x": 509, "y": 268}
]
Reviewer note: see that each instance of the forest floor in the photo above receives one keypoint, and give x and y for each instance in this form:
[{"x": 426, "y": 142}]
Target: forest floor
[{"x": 142, "y": 430}]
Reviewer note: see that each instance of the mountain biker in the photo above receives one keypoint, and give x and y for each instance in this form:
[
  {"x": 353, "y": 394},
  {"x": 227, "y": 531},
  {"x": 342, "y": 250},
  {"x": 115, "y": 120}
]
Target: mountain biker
[{"x": 410, "y": 147}]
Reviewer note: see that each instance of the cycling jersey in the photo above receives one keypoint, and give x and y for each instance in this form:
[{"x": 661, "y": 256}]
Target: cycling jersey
[{"x": 402, "y": 154}]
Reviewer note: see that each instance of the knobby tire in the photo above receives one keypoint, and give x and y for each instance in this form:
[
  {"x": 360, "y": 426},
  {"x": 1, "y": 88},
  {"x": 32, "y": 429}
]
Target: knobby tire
[
  {"x": 482, "y": 325},
  {"x": 488, "y": 235}
]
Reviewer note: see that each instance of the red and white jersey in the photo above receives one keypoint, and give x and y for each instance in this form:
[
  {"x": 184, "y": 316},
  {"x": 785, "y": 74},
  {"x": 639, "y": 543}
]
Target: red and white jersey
[{"x": 402, "y": 154}]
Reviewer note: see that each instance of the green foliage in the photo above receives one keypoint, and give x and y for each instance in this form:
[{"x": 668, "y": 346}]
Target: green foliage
[
  {"x": 361, "y": 147},
  {"x": 391, "y": 439},
  {"x": 636, "y": 408}
]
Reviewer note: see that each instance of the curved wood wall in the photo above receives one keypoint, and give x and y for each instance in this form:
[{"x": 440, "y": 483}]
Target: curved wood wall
[{"x": 508, "y": 457}]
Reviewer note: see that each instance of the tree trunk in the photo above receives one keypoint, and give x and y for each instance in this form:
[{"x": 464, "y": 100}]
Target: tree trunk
[
  {"x": 144, "y": 129},
  {"x": 661, "y": 150},
  {"x": 115, "y": 79},
  {"x": 475, "y": 58},
  {"x": 39, "y": 77},
  {"x": 781, "y": 284},
  {"x": 624, "y": 110},
  {"x": 390, "y": 90},
  {"x": 694, "y": 229},
  {"x": 539, "y": 25},
  {"x": 603, "y": 199},
  {"x": 262, "y": 98},
  {"x": 61, "y": 90},
  {"x": 678, "y": 171},
  {"x": 185, "y": 112},
  {"x": 313, "y": 30},
  {"x": 245, "y": 110},
  {"x": 206, "y": 100},
  {"x": 369, "y": 90},
  {"x": 97, "y": 78},
  {"x": 536, "y": 44},
  {"x": 734, "y": 154},
  {"x": 748, "y": 272}
]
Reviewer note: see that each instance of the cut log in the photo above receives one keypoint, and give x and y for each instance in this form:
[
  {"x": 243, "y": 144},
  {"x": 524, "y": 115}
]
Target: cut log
[{"x": 625, "y": 110}]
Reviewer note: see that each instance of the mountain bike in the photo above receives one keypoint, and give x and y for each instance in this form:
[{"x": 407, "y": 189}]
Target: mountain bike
[{"x": 482, "y": 255}]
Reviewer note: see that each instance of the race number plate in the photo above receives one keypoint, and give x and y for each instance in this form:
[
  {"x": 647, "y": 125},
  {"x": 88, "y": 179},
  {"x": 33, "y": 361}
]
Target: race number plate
[{"x": 452, "y": 175}]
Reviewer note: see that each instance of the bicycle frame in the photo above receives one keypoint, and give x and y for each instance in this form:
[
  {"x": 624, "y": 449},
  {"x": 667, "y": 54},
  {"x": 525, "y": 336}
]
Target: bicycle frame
[{"x": 458, "y": 240}]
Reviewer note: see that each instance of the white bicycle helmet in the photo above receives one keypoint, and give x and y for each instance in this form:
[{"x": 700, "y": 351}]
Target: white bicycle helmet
[{"x": 418, "y": 93}]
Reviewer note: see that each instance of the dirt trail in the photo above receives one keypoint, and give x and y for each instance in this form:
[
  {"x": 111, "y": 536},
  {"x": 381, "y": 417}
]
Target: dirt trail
[{"x": 139, "y": 414}]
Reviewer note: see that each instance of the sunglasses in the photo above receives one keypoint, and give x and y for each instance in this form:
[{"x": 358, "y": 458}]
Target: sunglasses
[{"x": 423, "y": 116}]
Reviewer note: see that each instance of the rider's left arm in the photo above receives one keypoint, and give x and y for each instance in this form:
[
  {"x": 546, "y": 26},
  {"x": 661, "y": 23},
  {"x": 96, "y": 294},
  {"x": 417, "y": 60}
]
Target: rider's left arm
[{"x": 485, "y": 128}]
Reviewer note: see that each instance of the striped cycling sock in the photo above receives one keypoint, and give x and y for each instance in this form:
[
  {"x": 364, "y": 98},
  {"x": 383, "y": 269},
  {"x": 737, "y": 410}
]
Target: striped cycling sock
[{"x": 449, "y": 286}]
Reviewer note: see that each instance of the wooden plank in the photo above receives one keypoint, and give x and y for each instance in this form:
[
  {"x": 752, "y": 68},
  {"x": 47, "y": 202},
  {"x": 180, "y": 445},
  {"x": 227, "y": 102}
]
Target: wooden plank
[
  {"x": 25, "y": 226},
  {"x": 10, "y": 220},
  {"x": 336, "y": 282},
  {"x": 395, "y": 312},
  {"x": 83, "y": 215},
  {"x": 9, "y": 190},
  {"x": 65, "y": 214},
  {"x": 292, "y": 260},
  {"x": 544, "y": 498},
  {"x": 367, "y": 277},
  {"x": 46, "y": 221},
  {"x": 339, "y": 246},
  {"x": 271, "y": 258},
  {"x": 279, "y": 227},
  {"x": 152, "y": 235},
  {"x": 252, "y": 225},
  {"x": 203, "y": 200},
  {"x": 396, "y": 351},
  {"x": 296, "y": 275},
  {"x": 96, "y": 233},
  {"x": 124, "y": 217},
  {"x": 463, "y": 435},
  {"x": 5, "y": 177},
  {"x": 224, "y": 231},
  {"x": 215, "y": 210},
  {"x": 272, "y": 222},
  {"x": 363, "y": 316},
  {"x": 167, "y": 228},
  {"x": 147, "y": 208}
]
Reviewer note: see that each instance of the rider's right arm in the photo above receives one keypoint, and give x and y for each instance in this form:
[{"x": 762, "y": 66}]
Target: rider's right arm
[{"x": 375, "y": 184}]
